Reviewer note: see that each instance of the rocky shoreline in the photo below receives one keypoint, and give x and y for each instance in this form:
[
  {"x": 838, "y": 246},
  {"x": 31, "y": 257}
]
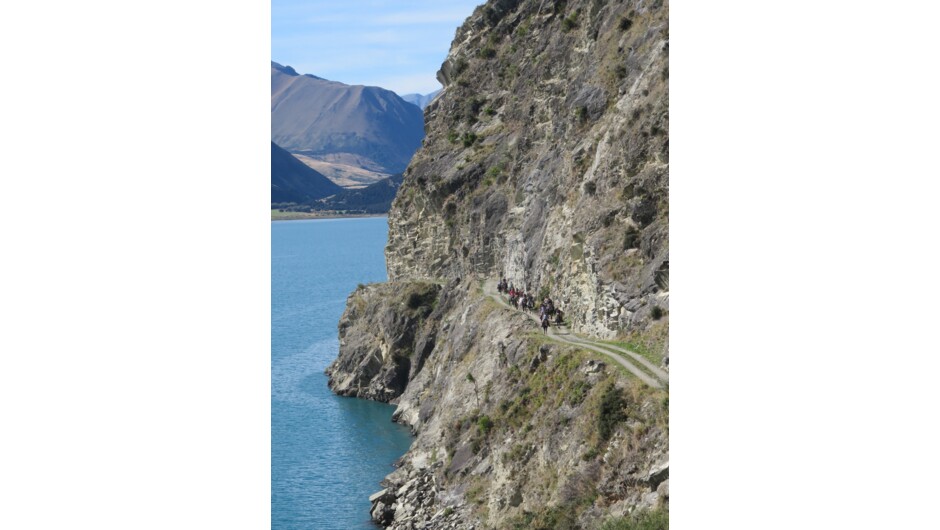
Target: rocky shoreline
[{"x": 506, "y": 421}]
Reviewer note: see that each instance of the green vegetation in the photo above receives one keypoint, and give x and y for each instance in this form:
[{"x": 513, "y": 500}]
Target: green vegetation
[
  {"x": 460, "y": 65},
  {"x": 494, "y": 173},
  {"x": 484, "y": 425},
  {"x": 475, "y": 493},
  {"x": 551, "y": 397},
  {"x": 578, "y": 392},
  {"x": 544, "y": 291},
  {"x": 625, "y": 24},
  {"x": 516, "y": 454},
  {"x": 577, "y": 493},
  {"x": 656, "y": 312},
  {"x": 469, "y": 139},
  {"x": 554, "y": 518},
  {"x": 649, "y": 343},
  {"x": 358, "y": 304},
  {"x": 643, "y": 520},
  {"x": 637, "y": 347},
  {"x": 631, "y": 238},
  {"x": 426, "y": 298},
  {"x": 545, "y": 389},
  {"x": 278, "y": 214},
  {"x": 474, "y": 105},
  {"x": 491, "y": 16},
  {"x": 611, "y": 412},
  {"x": 570, "y": 23},
  {"x": 577, "y": 251},
  {"x": 476, "y": 391},
  {"x": 581, "y": 114}
]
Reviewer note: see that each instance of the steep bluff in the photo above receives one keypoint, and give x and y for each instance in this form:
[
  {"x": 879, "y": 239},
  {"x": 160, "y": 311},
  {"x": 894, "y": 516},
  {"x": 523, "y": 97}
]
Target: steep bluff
[
  {"x": 545, "y": 161},
  {"x": 392, "y": 329}
]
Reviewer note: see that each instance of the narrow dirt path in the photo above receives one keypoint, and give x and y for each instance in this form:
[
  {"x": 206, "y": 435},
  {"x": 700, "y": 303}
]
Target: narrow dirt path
[
  {"x": 652, "y": 368},
  {"x": 564, "y": 335}
]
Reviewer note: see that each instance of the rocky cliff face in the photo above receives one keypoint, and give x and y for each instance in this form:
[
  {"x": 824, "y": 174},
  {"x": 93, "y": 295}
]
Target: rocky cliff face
[
  {"x": 386, "y": 334},
  {"x": 545, "y": 161}
]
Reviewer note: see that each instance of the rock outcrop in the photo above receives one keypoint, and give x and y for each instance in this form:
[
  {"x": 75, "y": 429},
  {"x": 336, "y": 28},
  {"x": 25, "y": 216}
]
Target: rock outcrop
[
  {"x": 545, "y": 161},
  {"x": 512, "y": 429},
  {"x": 385, "y": 335}
]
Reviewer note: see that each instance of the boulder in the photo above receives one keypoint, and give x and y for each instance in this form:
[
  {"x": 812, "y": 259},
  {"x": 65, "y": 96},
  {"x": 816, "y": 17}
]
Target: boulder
[
  {"x": 658, "y": 474},
  {"x": 378, "y": 495},
  {"x": 382, "y": 513},
  {"x": 593, "y": 367},
  {"x": 663, "y": 489}
]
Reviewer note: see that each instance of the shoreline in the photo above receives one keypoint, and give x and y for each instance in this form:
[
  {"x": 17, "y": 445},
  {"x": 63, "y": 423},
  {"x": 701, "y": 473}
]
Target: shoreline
[{"x": 307, "y": 217}]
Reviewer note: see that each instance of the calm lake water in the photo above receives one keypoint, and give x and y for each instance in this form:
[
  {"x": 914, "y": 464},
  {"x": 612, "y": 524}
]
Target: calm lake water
[{"x": 328, "y": 453}]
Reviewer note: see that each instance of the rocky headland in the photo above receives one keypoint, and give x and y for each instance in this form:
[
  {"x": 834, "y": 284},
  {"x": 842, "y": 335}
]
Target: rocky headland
[{"x": 546, "y": 162}]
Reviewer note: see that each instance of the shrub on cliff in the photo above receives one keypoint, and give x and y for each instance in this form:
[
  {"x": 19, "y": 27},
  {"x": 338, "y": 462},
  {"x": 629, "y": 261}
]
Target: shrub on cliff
[
  {"x": 415, "y": 300},
  {"x": 631, "y": 238},
  {"x": 484, "y": 425},
  {"x": 422, "y": 298},
  {"x": 611, "y": 412}
]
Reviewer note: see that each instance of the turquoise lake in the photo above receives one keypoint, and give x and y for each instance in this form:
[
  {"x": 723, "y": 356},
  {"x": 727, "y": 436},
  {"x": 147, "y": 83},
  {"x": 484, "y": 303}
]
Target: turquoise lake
[{"x": 328, "y": 453}]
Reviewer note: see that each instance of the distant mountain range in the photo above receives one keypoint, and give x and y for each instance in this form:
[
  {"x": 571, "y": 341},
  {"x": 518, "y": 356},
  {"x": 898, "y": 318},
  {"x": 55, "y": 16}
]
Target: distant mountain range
[
  {"x": 376, "y": 198},
  {"x": 357, "y": 133},
  {"x": 421, "y": 100},
  {"x": 293, "y": 181}
]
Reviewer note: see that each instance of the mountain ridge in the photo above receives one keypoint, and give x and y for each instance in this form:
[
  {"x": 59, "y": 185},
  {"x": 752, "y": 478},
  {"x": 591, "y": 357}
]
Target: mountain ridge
[
  {"x": 421, "y": 100},
  {"x": 316, "y": 117},
  {"x": 294, "y": 181}
]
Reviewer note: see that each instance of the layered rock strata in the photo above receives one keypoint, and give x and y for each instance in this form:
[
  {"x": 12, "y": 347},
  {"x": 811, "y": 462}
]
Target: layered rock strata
[{"x": 545, "y": 161}]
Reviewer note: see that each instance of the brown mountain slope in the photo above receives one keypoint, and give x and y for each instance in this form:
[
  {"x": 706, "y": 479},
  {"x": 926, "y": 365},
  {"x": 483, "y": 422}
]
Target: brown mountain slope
[{"x": 319, "y": 118}]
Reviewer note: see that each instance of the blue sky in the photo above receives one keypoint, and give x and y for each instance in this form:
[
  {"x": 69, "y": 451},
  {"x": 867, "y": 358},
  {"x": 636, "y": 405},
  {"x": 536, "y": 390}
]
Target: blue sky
[{"x": 398, "y": 45}]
